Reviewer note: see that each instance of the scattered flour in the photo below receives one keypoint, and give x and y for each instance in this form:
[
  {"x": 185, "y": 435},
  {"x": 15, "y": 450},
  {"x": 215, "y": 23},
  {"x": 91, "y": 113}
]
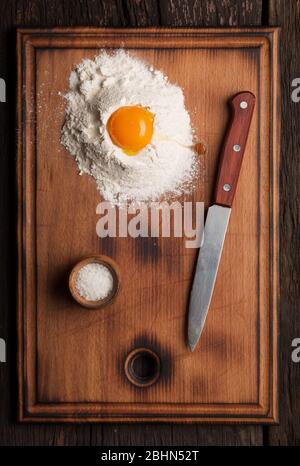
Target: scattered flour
[
  {"x": 98, "y": 87},
  {"x": 94, "y": 282}
]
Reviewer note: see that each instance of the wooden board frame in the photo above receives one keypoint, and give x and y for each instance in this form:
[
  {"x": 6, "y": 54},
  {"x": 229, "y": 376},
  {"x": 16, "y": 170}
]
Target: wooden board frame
[{"x": 30, "y": 409}]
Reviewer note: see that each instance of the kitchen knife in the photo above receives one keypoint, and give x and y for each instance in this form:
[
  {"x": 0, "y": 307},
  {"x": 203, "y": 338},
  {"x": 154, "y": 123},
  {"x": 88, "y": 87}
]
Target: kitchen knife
[{"x": 242, "y": 106}]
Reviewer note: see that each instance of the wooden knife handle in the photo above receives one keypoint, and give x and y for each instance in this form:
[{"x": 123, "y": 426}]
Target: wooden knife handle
[{"x": 242, "y": 106}]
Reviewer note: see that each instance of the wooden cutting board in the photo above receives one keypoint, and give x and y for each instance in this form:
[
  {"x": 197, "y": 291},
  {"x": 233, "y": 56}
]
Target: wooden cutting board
[{"x": 72, "y": 360}]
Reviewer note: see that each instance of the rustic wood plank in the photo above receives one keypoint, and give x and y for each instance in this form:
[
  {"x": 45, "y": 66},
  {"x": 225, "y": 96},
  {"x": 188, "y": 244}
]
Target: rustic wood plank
[
  {"x": 191, "y": 13},
  {"x": 36, "y": 13},
  {"x": 244, "y": 389},
  {"x": 212, "y": 13},
  {"x": 175, "y": 435},
  {"x": 285, "y": 13}
]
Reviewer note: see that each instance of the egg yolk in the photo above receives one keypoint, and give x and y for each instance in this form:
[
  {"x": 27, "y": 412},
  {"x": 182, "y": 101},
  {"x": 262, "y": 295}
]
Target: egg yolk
[{"x": 131, "y": 128}]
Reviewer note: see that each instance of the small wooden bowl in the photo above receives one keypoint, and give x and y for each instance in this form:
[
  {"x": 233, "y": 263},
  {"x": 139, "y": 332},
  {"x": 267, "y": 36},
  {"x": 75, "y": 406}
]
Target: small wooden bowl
[
  {"x": 99, "y": 259},
  {"x": 151, "y": 363}
]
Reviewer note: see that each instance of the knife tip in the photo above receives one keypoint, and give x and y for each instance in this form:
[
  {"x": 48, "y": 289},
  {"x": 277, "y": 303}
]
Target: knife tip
[{"x": 192, "y": 346}]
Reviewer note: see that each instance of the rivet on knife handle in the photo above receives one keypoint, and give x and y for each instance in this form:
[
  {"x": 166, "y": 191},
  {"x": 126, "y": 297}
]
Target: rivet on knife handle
[{"x": 231, "y": 157}]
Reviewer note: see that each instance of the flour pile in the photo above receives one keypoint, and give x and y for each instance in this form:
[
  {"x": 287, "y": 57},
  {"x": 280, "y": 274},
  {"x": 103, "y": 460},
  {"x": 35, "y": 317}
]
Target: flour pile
[{"x": 167, "y": 165}]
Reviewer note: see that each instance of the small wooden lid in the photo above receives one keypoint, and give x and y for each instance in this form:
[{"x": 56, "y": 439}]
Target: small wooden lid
[{"x": 106, "y": 262}]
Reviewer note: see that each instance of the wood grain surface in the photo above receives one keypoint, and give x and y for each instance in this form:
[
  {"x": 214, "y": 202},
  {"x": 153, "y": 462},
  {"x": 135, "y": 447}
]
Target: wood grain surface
[
  {"x": 287, "y": 14},
  {"x": 72, "y": 365},
  {"x": 36, "y": 13}
]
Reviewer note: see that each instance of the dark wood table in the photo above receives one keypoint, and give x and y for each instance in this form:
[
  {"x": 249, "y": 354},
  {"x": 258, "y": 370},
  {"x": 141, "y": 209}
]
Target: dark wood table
[{"x": 143, "y": 13}]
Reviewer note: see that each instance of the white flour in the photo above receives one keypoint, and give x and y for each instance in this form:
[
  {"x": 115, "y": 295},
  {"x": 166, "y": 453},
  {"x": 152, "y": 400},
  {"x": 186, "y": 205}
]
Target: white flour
[{"x": 99, "y": 87}]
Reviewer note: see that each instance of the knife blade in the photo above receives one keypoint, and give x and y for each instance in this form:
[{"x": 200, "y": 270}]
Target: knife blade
[{"x": 215, "y": 228}]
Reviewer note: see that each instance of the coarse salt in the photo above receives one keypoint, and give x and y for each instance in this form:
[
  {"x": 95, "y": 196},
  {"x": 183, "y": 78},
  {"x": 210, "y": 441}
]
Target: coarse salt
[{"x": 94, "y": 282}]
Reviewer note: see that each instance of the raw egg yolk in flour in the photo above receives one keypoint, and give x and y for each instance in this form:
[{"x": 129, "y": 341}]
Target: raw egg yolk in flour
[{"x": 131, "y": 128}]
